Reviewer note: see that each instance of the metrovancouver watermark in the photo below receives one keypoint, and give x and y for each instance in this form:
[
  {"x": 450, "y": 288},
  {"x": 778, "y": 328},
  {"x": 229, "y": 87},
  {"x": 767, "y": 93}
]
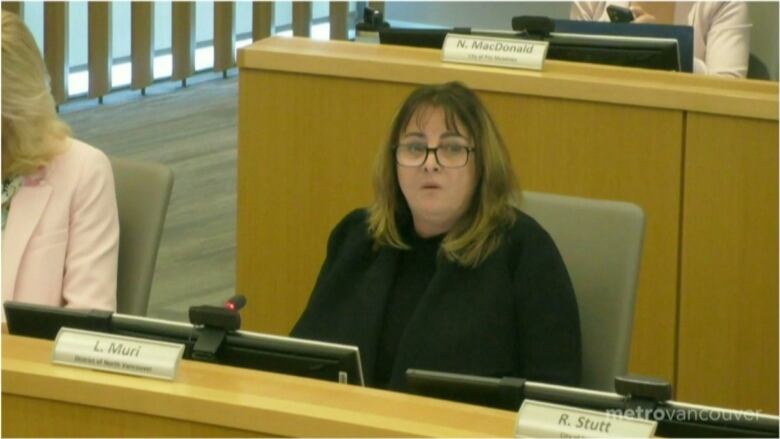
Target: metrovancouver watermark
[{"x": 685, "y": 415}]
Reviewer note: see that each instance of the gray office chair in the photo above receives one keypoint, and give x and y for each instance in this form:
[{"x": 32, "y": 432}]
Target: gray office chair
[
  {"x": 757, "y": 69},
  {"x": 143, "y": 190},
  {"x": 601, "y": 244}
]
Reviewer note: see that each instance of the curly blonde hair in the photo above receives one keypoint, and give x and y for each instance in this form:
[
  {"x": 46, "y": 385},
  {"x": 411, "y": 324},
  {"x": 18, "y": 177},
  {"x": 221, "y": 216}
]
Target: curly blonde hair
[
  {"x": 493, "y": 207},
  {"x": 32, "y": 133}
]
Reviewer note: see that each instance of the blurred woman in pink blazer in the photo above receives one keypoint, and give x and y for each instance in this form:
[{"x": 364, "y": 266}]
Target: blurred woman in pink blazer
[
  {"x": 721, "y": 30},
  {"x": 60, "y": 237}
]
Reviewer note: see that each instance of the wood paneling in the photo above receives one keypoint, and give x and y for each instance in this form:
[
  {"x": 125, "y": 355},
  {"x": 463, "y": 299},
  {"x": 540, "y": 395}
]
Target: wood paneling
[
  {"x": 99, "y": 49},
  {"x": 281, "y": 293},
  {"x": 301, "y": 18},
  {"x": 75, "y": 420},
  {"x": 183, "y": 39},
  {"x": 338, "y": 20},
  {"x": 728, "y": 343},
  {"x": 262, "y": 20},
  {"x": 224, "y": 35},
  {"x": 55, "y": 48},
  {"x": 142, "y": 43}
]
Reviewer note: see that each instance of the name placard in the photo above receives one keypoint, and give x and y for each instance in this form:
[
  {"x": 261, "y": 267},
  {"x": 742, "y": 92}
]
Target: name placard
[
  {"x": 541, "y": 419},
  {"x": 504, "y": 52},
  {"x": 116, "y": 353}
]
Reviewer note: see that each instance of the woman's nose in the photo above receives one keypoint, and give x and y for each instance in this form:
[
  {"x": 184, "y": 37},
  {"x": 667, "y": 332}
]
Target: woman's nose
[{"x": 431, "y": 164}]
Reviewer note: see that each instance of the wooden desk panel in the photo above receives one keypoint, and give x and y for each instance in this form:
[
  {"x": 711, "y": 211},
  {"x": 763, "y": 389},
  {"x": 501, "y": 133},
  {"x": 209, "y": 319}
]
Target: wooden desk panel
[
  {"x": 728, "y": 343},
  {"x": 63, "y": 419},
  {"x": 214, "y": 400}
]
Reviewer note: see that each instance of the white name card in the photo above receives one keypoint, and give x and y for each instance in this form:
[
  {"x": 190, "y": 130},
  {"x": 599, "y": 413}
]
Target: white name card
[
  {"x": 504, "y": 52},
  {"x": 541, "y": 419},
  {"x": 116, "y": 353}
]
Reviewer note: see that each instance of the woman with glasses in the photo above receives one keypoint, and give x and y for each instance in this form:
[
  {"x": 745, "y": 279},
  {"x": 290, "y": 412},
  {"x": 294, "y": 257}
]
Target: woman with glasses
[{"x": 442, "y": 271}]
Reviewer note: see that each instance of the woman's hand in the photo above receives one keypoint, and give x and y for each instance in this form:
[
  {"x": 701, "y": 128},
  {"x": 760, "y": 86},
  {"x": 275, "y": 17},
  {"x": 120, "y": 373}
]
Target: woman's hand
[{"x": 641, "y": 16}]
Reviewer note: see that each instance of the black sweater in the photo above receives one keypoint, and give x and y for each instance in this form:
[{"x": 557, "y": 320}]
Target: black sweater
[
  {"x": 414, "y": 271},
  {"x": 513, "y": 315}
]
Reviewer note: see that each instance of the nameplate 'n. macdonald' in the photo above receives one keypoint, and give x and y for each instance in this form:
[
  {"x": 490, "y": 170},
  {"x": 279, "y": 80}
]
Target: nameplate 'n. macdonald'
[
  {"x": 116, "y": 353},
  {"x": 493, "y": 51}
]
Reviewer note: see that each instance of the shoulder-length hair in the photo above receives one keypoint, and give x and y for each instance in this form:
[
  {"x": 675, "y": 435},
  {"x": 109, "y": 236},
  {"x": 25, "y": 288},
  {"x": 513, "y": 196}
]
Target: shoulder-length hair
[
  {"x": 493, "y": 207},
  {"x": 33, "y": 134}
]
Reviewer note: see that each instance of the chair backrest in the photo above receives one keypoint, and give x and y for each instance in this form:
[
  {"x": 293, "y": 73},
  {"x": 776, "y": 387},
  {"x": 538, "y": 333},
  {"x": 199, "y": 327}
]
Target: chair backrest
[
  {"x": 601, "y": 244},
  {"x": 143, "y": 190},
  {"x": 757, "y": 69}
]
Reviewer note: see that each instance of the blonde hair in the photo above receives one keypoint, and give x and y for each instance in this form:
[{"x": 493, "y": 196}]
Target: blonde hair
[
  {"x": 493, "y": 207},
  {"x": 32, "y": 134}
]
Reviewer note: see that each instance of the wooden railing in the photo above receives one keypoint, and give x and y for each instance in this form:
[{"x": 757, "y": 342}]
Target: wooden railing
[{"x": 183, "y": 42}]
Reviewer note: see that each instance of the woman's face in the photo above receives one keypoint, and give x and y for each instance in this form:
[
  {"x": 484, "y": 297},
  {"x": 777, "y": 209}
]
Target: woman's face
[{"x": 437, "y": 195}]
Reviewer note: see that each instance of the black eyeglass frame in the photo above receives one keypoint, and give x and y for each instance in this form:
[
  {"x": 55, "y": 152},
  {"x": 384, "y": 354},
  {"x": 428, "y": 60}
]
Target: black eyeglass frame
[{"x": 469, "y": 150}]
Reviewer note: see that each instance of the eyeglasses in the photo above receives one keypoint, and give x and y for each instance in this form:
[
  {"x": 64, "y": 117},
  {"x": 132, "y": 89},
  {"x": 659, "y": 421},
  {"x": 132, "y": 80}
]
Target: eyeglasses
[{"x": 447, "y": 155}]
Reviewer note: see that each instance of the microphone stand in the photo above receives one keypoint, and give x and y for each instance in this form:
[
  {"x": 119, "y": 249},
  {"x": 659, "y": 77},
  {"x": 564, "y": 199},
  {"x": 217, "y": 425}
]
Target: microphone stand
[{"x": 216, "y": 322}]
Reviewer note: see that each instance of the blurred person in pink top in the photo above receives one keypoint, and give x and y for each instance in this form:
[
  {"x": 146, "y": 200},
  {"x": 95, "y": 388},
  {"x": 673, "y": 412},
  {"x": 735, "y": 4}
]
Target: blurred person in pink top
[
  {"x": 721, "y": 29},
  {"x": 60, "y": 226}
]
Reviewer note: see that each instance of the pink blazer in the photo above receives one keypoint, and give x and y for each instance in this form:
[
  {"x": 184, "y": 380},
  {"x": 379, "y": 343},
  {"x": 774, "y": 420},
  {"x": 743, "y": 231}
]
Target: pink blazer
[{"x": 61, "y": 239}]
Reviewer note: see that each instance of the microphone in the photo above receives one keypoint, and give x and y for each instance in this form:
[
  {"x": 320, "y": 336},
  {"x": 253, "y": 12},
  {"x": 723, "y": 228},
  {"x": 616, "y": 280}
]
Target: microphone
[
  {"x": 215, "y": 323},
  {"x": 224, "y": 317},
  {"x": 533, "y": 26},
  {"x": 235, "y": 303}
]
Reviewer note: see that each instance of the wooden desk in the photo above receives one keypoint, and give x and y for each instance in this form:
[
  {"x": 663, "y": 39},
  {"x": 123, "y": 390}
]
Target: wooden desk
[
  {"x": 698, "y": 154},
  {"x": 215, "y": 401}
]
